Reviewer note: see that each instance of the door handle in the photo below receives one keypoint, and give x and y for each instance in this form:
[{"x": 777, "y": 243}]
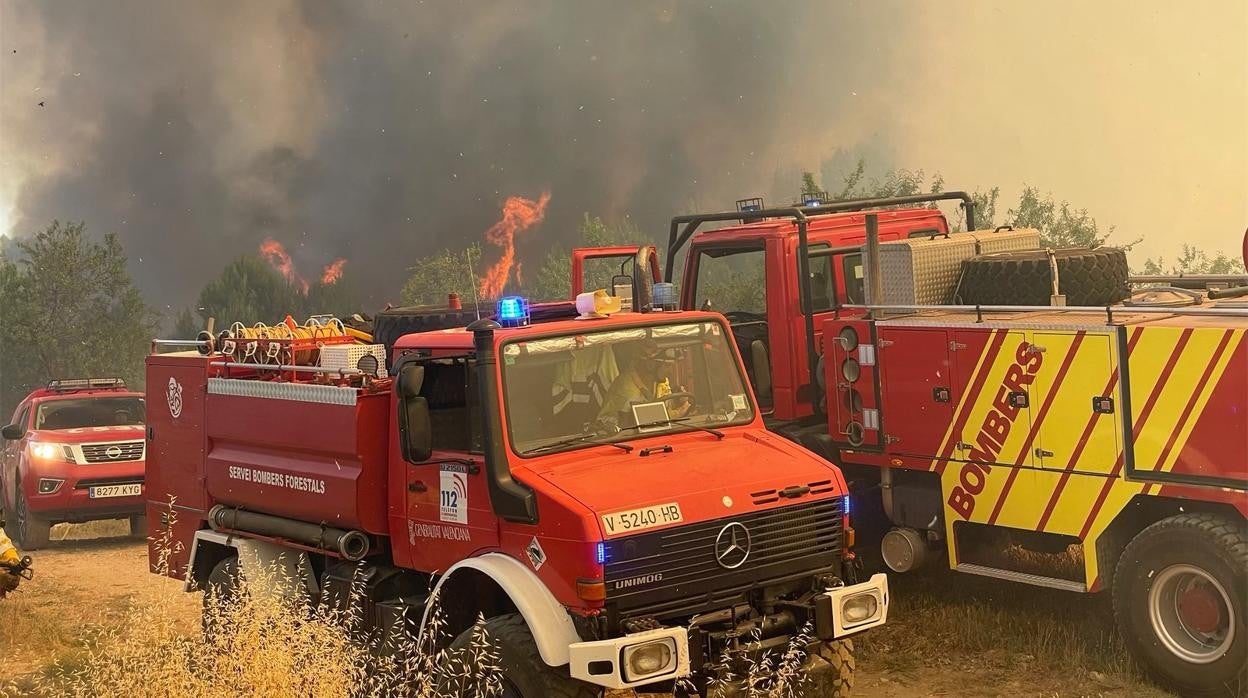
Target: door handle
[
  {"x": 417, "y": 486},
  {"x": 1041, "y": 453}
]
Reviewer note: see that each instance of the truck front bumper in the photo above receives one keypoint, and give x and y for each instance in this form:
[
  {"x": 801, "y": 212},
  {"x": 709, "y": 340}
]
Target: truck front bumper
[{"x": 652, "y": 656}]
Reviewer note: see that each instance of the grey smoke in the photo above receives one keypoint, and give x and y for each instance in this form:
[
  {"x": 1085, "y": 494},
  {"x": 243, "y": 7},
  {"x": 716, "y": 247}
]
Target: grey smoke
[{"x": 382, "y": 132}]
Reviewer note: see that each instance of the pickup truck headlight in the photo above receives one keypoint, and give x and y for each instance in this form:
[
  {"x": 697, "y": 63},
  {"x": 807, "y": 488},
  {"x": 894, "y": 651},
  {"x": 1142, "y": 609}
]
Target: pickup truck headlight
[
  {"x": 649, "y": 659},
  {"x": 42, "y": 450}
]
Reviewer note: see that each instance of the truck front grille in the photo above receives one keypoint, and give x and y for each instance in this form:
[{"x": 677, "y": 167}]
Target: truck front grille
[
  {"x": 113, "y": 453},
  {"x": 678, "y": 571}
]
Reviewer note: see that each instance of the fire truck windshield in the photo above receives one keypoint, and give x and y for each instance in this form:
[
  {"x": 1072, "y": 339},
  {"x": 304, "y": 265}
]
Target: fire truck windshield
[
  {"x": 619, "y": 384},
  {"x": 80, "y": 413}
]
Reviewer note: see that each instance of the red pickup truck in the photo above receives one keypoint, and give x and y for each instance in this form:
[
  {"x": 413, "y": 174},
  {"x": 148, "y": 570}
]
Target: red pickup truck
[{"x": 73, "y": 453}]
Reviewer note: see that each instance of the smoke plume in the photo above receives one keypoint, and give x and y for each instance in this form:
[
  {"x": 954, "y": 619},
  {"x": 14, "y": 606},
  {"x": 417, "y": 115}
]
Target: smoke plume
[{"x": 381, "y": 132}]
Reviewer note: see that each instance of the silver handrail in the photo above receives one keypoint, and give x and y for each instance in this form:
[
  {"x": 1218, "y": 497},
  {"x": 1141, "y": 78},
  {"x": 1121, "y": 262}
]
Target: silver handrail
[
  {"x": 1064, "y": 309},
  {"x": 342, "y": 372}
]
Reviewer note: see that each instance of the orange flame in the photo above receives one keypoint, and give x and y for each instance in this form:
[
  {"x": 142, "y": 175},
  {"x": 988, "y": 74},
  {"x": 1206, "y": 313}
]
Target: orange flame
[
  {"x": 333, "y": 272},
  {"x": 279, "y": 259},
  {"x": 519, "y": 214}
]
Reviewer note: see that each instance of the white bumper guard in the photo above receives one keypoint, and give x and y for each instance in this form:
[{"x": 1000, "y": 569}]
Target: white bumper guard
[{"x": 661, "y": 655}]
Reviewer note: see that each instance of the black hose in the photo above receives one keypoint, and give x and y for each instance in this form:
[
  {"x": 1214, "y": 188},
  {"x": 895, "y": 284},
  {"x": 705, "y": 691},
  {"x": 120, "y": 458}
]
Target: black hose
[
  {"x": 352, "y": 545},
  {"x": 1234, "y": 292}
]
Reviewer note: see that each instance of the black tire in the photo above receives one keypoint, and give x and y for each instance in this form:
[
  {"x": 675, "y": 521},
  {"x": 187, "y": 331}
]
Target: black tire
[
  {"x": 221, "y": 591},
  {"x": 28, "y": 531},
  {"x": 1094, "y": 277},
  {"x": 523, "y": 673},
  {"x": 830, "y": 670},
  {"x": 1201, "y": 559},
  {"x": 138, "y": 526}
]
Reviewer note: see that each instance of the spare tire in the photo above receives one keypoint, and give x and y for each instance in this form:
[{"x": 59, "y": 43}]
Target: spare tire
[{"x": 1085, "y": 276}]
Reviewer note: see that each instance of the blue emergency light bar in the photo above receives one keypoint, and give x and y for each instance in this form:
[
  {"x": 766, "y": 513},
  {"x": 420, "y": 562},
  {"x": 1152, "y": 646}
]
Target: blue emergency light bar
[{"x": 513, "y": 311}]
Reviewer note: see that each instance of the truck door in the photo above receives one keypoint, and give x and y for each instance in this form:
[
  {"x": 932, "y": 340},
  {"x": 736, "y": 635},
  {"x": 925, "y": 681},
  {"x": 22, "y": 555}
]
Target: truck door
[
  {"x": 624, "y": 271},
  {"x": 1079, "y": 428},
  {"x": 446, "y": 500},
  {"x": 916, "y": 375},
  {"x": 992, "y": 377}
]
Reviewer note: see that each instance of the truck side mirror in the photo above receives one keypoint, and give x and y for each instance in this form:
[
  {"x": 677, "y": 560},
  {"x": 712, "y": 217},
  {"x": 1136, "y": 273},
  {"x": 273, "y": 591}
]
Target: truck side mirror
[
  {"x": 415, "y": 428},
  {"x": 13, "y": 432}
]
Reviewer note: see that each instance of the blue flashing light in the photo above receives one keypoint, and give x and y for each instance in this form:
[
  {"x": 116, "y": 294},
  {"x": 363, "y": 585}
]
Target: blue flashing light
[
  {"x": 746, "y": 208},
  {"x": 813, "y": 202},
  {"x": 513, "y": 311},
  {"x": 845, "y": 511},
  {"x": 600, "y": 553}
]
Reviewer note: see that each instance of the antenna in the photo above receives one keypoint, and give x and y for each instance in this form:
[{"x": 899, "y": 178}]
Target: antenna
[{"x": 472, "y": 279}]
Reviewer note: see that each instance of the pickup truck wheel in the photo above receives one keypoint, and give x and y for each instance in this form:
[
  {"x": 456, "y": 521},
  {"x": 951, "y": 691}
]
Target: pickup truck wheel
[
  {"x": 26, "y": 529},
  {"x": 1181, "y": 603},
  {"x": 520, "y": 667},
  {"x": 829, "y": 670},
  {"x": 138, "y": 526}
]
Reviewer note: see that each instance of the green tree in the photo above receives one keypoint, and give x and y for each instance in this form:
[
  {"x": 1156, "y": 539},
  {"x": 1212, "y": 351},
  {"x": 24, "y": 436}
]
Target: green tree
[
  {"x": 186, "y": 325},
  {"x": 1195, "y": 261},
  {"x": 449, "y": 271},
  {"x": 248, "y": 290},
  {"x": 68, "y": 308},
  {"x": 553, "y": 280},
  {"x": 1060, "y": 224}
]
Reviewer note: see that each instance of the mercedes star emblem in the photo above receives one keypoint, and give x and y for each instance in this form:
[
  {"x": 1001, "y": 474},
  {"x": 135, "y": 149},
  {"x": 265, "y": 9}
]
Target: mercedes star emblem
[
  {"x": 732, "y": 546},
  {"x": 113, "y": 452}
]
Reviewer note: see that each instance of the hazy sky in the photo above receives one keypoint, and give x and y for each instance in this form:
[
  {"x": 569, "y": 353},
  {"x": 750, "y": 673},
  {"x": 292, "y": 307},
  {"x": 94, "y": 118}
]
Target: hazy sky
[{"x": 382, "y": 131}]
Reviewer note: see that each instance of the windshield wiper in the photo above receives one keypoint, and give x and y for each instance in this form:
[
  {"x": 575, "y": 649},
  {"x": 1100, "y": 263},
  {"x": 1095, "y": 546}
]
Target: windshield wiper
[
  {"x": 576, "y": 440},
  {"x": 679, "y": 420}
]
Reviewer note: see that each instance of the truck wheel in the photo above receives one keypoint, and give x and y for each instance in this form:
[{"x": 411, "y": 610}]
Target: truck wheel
[
  {"x": 1180, "y": 591},
  {"x": 224, "y": 583},
  {"x": 138, "y": 526},
  {"x": 1086, "y": 277},
  {"x": 28, "y": 531},
  {"x": 829, "y": 670},
  {"x": 520, "y": 666}
]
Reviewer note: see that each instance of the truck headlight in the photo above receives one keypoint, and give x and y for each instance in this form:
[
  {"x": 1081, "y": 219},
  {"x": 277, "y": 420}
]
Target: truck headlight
[
  {"x": 859, "y": 608},
  {"x": 649, "y": 659},
  {"x": 48, "y": 451}
]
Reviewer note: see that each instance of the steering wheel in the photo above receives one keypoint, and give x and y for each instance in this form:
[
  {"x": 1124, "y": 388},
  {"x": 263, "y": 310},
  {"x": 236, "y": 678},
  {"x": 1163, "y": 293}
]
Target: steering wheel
[
  {"x": 743, "y": 317},
  {"x": 671, "y": 397}
]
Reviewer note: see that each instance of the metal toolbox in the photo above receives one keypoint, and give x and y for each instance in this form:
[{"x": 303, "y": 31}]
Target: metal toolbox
[{"x": 925, "y": 271}]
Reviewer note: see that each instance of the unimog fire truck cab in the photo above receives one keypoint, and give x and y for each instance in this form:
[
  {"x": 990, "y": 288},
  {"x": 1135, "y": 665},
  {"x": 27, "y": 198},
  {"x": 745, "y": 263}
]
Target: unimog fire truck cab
[
  {"x": 600, "y": 488},
  {"x": 1006, "y": 406}
]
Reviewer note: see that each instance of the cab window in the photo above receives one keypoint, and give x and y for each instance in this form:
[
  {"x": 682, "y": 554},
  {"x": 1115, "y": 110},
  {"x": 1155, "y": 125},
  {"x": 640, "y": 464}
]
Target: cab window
[{"x": 454, "y": 415}]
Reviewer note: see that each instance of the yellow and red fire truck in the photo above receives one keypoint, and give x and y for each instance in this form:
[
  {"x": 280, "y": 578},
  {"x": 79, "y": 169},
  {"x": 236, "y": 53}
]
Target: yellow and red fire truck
[{"x": 1016, "y": 439}]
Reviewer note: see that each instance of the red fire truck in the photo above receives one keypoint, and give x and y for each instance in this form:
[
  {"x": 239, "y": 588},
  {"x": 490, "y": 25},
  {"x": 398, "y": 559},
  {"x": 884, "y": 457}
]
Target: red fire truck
[
  {"x": 1113, "y": 436},
  {"x": 73, "y": 453},
  {"x": 634, "y": 540}
]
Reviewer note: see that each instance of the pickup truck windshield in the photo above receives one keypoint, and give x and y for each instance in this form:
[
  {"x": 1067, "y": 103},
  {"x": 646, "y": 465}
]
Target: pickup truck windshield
[
  {"x": 620, "y": 384},
  {"x": 90, "y": 412}
]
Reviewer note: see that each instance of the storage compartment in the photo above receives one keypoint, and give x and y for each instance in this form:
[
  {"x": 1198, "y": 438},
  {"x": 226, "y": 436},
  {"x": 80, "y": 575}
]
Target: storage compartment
[{"x": 925, "y": 271}]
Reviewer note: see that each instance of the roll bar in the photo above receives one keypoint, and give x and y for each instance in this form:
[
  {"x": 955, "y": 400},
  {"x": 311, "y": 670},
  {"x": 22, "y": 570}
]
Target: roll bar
[{"x": 678, "y": 236}]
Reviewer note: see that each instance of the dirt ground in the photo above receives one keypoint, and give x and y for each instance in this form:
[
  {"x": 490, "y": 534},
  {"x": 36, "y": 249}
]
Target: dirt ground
[{"x": 84, "y": 583}]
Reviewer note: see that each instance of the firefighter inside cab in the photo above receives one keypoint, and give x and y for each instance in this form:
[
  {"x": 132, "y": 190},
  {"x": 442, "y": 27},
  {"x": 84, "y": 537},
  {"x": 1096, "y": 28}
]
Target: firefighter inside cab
[{"x": 648, "y": 378}]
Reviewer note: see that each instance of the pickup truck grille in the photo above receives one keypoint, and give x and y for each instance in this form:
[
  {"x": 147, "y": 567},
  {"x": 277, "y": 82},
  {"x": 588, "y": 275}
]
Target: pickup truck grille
[
  {"x": 676, "y": 571},
  {"x": 113, "y": 453}
]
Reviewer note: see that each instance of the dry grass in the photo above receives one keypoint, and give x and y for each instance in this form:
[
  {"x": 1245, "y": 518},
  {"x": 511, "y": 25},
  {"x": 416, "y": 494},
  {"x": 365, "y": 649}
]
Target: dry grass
[
  {"x": 262, "y": 644},
  {"x": 1013, "y": 639},
  {"x": 108, "y": 528}
]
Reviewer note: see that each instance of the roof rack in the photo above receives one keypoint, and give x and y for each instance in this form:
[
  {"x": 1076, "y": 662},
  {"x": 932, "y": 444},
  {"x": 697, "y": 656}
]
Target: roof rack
[{"x": 67, "y": 384}]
